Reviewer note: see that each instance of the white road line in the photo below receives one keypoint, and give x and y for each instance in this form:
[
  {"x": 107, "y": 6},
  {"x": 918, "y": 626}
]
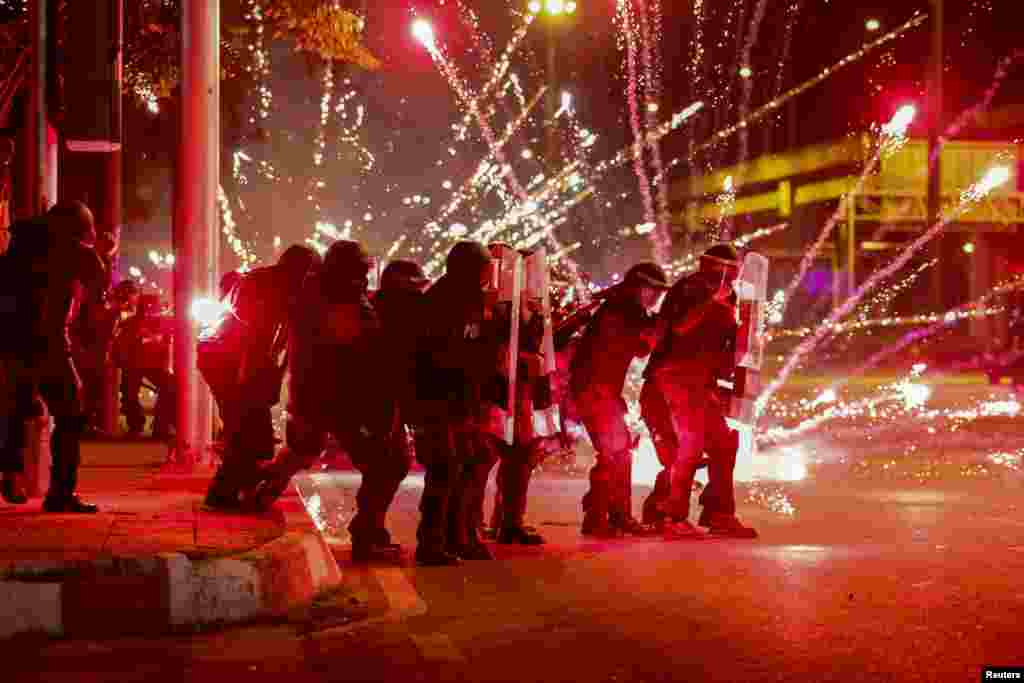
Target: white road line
[
  {"x": 404, "y": 602},
  {"x": 437, "y": 647},
  {"x": 400, "y": 593}
]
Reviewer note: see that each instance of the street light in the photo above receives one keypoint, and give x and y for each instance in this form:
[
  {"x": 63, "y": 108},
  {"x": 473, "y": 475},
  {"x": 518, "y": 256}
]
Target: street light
[
  {"x": 872, "y": 25},
  {"x": 424, "y": 32},
  {"x": 555, "y": 11}
]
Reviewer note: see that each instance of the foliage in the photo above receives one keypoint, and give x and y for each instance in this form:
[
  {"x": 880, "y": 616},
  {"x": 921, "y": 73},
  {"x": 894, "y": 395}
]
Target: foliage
[
  {"x": 322, "y": 28},
  {"x": 152, "y": 38}
]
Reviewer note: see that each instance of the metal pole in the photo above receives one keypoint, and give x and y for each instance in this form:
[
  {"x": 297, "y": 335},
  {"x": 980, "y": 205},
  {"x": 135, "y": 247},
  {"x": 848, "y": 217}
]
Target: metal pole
[
  {"x": 33, "y": 189},
  {"x": 195, "y": 214},
  {"x": 935, "y": 116}
]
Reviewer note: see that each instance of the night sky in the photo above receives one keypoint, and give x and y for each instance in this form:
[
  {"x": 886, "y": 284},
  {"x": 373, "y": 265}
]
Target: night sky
[{"x": 410, "y": 108}]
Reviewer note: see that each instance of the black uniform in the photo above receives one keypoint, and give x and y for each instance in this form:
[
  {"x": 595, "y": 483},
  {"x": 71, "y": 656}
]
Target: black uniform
[
  {"x": 518, "y": 461},
  {"x": 242, "y": 362},
  {"x": 620, "y": 332},
  {"x": 47, "y": 277},
  {"x": 335, "y": 388},
  {"x": 685, "y": 408},
  {"x": 457, "y": 355},
  {"x": 143, "y": 351}
]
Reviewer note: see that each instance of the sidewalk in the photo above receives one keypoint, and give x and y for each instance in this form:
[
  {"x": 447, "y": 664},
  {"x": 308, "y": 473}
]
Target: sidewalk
[{"x": 152, "y": 560}]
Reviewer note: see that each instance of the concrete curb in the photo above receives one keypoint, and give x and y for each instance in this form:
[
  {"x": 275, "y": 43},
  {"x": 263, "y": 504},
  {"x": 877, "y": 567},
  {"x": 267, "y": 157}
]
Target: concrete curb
[{"x": 118, "y": 596}]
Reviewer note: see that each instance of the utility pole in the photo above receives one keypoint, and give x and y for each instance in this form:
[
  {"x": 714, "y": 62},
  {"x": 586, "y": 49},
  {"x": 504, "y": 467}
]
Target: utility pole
[
  {"x": 935, "y": 117},
  {"x": 92, "y": 137},
  {"x": 34, "y": 138},
  {"x": 196, "y": 233}
]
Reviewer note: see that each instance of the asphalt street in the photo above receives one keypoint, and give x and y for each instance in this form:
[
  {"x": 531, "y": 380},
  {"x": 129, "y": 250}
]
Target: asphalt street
[{"x": 851, "y": 580}]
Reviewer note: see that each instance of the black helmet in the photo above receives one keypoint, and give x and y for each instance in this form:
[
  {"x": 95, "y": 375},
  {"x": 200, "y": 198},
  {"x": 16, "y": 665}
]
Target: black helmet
[
  {"x": 646, "y": 274},
  {"x": 74, "y": 220},
  {"x": 345, "y": 273},
  {"x": 403, "y": 274},
  {"x": 467, "y": 260},
  {"x": 723, "y": 253},
  {"x": 297, "y": 260},
  {"x": 346, "y": 259}
]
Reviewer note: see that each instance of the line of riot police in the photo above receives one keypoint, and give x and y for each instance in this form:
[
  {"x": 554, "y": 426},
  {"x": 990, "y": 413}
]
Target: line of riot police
[{"x": 465, "y": 367}]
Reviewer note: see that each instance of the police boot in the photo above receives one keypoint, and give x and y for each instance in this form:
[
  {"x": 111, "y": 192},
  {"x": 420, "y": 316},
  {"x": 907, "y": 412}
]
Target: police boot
[
  {"x": 595, "y": 516},
  {"x": 430, "y": 556},
  {"x": 729, "y": 526},
  {"x": 653, "y": 512},
  {"x": 367, "y": 551},
  {"x": 223, "y": 491},
  {"x": 13, "y": 490},
  {"x": 630, "y": 526},
  {"x": 275, "y": 481}
]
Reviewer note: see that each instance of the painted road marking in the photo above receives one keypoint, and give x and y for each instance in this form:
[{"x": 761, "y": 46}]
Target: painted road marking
[
  {"x": 399, "y": 591},
  {"x": 437, "y": 647}
]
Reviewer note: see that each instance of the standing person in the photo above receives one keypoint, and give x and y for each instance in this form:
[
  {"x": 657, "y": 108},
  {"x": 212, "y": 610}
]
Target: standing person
[
  {"x": 242, "y": 361},
  {"x": 621, "y": 330},
  {"x": 143, "y": 351},
  {"x": 683, "y": 404},
  {"x": 457, "y": 355},
  {"x": 50, "y": 271},
  {"x": 335, "y": 387}
]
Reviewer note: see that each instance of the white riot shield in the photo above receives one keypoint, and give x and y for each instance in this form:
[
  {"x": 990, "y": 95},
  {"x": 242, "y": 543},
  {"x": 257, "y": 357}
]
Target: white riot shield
[
  {"x": 509, "y": 285},
  {"x": 373, "y": 276},
  {"x": 752, "y": 294},
  {"x": 546, "y": 420}
]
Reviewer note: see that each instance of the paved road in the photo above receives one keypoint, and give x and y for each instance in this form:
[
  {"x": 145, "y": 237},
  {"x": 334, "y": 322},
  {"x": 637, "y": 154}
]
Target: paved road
[{"x": 865, "y": 581}]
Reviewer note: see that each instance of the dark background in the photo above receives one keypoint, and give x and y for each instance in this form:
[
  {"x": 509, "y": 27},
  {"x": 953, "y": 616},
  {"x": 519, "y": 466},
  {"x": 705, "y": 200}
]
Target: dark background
[{"x": 410, "y": 109}]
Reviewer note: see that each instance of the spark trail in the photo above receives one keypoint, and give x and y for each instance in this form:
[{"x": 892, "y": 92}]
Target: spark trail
[
  {"x": 893, "y": 134},
  {"x": 822, "y": 76},
  {"x": 625, "y": 12},
  {"x": 650, "y": 33},
  {"x": 994, "y": 178}
]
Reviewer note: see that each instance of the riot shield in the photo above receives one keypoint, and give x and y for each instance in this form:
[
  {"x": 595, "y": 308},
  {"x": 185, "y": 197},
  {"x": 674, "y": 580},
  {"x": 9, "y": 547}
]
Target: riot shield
[
  {"x": 537, "y": 296},
  {"x": 752, "y": 292},
  {"x": 509, "y": 287}
]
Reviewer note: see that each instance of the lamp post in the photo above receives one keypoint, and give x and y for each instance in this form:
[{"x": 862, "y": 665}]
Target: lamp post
[
  {"x": 196, "y": 237},
  {"x": 37, "y": 168},
  {"x": 554, "y": 11}
]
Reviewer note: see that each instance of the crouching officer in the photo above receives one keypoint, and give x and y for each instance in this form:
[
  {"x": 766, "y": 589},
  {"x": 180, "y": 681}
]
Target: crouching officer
[
  {"x": 241, "y": 360},
  {"x": 336, "y": 387},
  {"x": 622, "y": 329},
  {"x": 683, "y": 405}
]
